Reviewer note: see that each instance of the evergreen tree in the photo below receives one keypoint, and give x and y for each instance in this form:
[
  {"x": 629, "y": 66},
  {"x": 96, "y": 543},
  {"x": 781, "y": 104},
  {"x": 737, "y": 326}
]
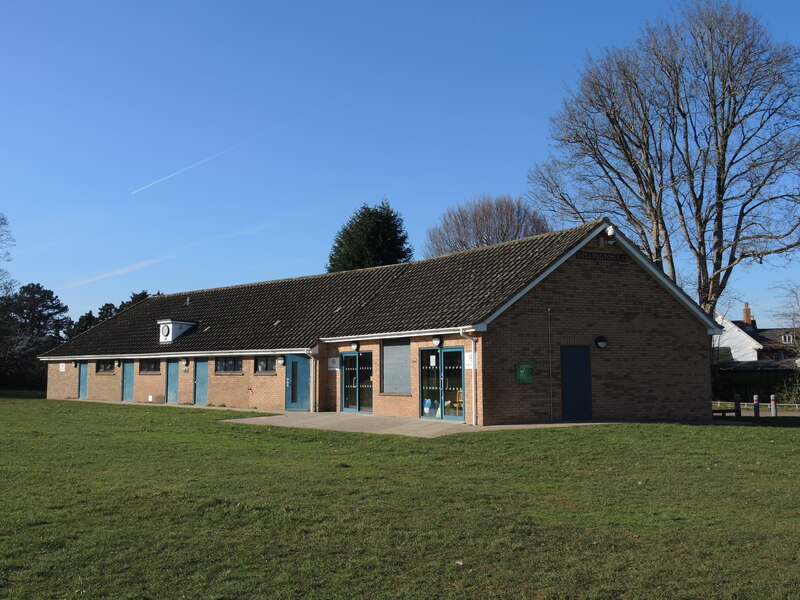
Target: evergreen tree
[
  {"x": 374, "y": 236},
  {"x": 84, "y": 322},
  {"x": 32, "y": 321},
  {"x": 106, "y": 311}
]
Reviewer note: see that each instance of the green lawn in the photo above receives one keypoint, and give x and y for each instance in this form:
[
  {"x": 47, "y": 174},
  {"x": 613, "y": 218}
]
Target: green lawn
[{"x": 111, "y": 501}]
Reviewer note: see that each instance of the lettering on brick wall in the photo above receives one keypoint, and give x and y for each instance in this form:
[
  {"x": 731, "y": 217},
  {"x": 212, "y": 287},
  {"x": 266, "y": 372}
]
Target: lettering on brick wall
[{"x": 606, "y": 256}]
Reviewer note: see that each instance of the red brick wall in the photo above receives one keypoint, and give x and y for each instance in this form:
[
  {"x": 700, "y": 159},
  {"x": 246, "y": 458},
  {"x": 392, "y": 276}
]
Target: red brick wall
[
  {"x": 148, "y": 384},
  {"x": 104, "y": 386},
  {"x": 394, "y": 405},
  {"x": 62, "y": 384},
  {"x": 656, "y": 365}
]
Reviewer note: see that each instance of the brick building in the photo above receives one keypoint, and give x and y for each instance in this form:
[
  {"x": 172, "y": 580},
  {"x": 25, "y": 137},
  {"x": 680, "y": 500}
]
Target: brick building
[{"x": 568, "y": 325}]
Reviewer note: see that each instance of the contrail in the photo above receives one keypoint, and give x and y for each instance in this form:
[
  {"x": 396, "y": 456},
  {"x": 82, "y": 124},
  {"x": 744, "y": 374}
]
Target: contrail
[
  {"x": 197, "y": 164},
  {"x": 120, "y": 271}
]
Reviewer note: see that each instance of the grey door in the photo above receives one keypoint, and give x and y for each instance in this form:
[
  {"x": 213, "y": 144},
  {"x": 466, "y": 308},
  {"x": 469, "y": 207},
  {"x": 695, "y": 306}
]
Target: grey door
[{"x": 576, "y": 383}]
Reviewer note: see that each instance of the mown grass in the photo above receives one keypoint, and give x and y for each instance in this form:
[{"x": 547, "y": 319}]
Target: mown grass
[{"x": 111, "y": 501}]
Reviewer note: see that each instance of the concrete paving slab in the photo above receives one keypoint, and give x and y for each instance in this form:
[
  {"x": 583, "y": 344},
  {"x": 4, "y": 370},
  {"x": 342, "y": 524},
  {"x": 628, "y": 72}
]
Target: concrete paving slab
[{"x": 360, "y": 423}]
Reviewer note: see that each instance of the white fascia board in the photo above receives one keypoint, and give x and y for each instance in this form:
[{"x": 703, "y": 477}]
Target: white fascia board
[
  {"x": 641, "y": 260},
  {"x": 402, "y": 334},
  {"x": 589, "y": 237},
  {"x": 729, "y": 326},
  {"x": 162, "y": 321},
  {"x": 182, "y": 354}
]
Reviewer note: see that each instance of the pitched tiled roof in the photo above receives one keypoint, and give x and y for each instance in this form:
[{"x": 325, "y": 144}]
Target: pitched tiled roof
[
  {"x": 770, "y": 338},
  {"x": 457, "y": 290}
]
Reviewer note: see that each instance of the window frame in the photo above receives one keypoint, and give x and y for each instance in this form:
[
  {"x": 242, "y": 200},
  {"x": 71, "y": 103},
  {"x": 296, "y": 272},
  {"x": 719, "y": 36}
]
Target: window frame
[
  {"x": 151, "y": 362},
  {"x": 270, "y": 359},
  {"x": 384, "y": 363},
  {"x": 105, "y": 363},
  {"x": 237, "y": 362}
]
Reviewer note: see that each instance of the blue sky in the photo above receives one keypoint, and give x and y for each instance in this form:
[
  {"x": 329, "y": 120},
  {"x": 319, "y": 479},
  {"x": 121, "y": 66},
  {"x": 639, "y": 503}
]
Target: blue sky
[{"x": 181, "y": 145}]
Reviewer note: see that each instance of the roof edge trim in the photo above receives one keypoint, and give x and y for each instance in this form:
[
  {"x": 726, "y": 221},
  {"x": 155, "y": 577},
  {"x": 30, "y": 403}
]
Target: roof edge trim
[
  {"x": 401, "y": 334},
  {"x": 511, "y": 301},
  {"x": 275, "y": 351},
  {"x": 712, "y": 327}
]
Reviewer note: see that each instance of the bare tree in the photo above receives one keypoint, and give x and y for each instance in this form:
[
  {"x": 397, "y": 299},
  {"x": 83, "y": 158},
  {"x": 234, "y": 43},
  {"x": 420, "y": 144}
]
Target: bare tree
[
  {"x": 6, "y": 241},
  {"x": 691, "y": 138},
  {"x": 788, "y": 313},
  {"x": 482, "y": 221}
]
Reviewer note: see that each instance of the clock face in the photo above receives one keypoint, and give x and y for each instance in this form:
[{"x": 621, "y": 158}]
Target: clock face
[{"x": 165, "y": 330}]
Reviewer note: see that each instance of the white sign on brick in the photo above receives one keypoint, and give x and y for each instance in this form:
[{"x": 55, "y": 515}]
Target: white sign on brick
[
  {"x": 333, "y": 363},
  {"x": 469, "y": 361}
]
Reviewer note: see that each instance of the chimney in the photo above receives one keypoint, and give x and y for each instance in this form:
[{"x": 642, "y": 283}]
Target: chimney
[{"x": 748, "y": 316}]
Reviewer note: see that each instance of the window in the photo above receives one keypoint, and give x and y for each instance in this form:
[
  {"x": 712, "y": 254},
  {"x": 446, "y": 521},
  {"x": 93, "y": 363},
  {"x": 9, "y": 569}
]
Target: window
[
  {"x": 396, "y": 366},
  {"x": 787, "y": 338},
  {"x": 104, "y": 366},
  {"x": 230, "y": 364},
  {"x": 265, "y": 364},
  {"x": 149, "y": 365}
]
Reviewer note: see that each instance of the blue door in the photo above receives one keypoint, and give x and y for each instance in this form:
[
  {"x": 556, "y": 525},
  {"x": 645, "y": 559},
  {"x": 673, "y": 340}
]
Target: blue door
[
  {"x": 297, "y": 385},
  {"x": 357, "y": 381},
  {"x": 172, "y": 381},
  {"x": 576, "y": 383},
  {"x": 127, "y": 381},
  {"x": 83, "y": 376},
  {"x": 442, "y": 383},
  {"x": 201, "y": 381}
]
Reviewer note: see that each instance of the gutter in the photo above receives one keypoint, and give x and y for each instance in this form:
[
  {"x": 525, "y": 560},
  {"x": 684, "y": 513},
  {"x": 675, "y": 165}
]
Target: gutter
[
  {"x": 275, "y": 352},
  {"x": 402, "y": 334}
]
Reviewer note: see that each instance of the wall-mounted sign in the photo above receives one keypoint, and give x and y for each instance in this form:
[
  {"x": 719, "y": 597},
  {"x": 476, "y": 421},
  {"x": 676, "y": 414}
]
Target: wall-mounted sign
[
  {"x": 524, "y": 373},
  {"x": 62, "y": 367},
  {"x": 469, "y": 361},
  {"x": 606, "y": 256},
  {"x": 333, "y": 363}
]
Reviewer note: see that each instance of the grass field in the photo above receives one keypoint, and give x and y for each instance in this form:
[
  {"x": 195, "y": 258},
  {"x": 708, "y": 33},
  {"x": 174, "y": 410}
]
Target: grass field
[{"x": 111, "y": 501}]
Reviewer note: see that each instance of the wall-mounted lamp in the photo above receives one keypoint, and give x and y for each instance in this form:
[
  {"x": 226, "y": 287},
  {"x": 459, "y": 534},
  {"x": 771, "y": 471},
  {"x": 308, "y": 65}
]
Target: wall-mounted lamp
[
  {"x": 185, "y": 362},
  {"x": 600, "y": 341},
  {"x": 75, "y": 364},
  {"x": 437, "y": 341},
  {"x": 354, "y": 346},
  {"x": 118, "y": 362},
  {"x": 281, "y": 360}
]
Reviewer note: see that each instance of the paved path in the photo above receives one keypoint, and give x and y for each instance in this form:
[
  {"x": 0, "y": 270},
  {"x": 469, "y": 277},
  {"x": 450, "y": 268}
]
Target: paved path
[{"x": 344, "y": 421}]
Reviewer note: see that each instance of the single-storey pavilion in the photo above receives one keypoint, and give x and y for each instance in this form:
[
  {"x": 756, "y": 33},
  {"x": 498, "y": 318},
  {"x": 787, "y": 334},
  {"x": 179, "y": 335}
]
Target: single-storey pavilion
[{"x": 570, "y": 325}]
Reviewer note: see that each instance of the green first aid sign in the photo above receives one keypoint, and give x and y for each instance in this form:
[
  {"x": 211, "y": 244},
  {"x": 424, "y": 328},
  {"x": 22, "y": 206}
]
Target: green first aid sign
[{"x": 524, "y": 373}]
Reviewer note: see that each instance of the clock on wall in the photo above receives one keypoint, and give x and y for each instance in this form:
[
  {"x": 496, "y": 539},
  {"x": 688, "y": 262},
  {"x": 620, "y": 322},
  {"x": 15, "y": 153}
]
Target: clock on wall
[{"x": 165, "y": 330}]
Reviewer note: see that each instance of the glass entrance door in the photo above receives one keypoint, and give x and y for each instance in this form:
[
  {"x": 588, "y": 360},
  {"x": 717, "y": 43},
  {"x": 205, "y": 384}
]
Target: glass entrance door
[
  {"x": 357, "y": 381},
  {"x": 442, "y": 383}
]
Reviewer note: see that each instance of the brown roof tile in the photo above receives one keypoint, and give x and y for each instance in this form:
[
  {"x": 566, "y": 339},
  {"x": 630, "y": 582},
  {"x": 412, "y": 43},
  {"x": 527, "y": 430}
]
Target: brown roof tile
[{"x": 457, "y": 290}]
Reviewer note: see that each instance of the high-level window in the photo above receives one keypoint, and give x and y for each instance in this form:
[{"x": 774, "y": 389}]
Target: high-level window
[
  {"x": 265, "y": 364},
  {"x": 229, "y": 364},
  {"x": 104, "y": 366},
  {"x": 149, "y": 365}
]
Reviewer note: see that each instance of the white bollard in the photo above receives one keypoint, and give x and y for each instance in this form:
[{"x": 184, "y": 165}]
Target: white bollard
[
  {"x": 756, "y": 407},
  {"x": 773, "y": 405}
]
